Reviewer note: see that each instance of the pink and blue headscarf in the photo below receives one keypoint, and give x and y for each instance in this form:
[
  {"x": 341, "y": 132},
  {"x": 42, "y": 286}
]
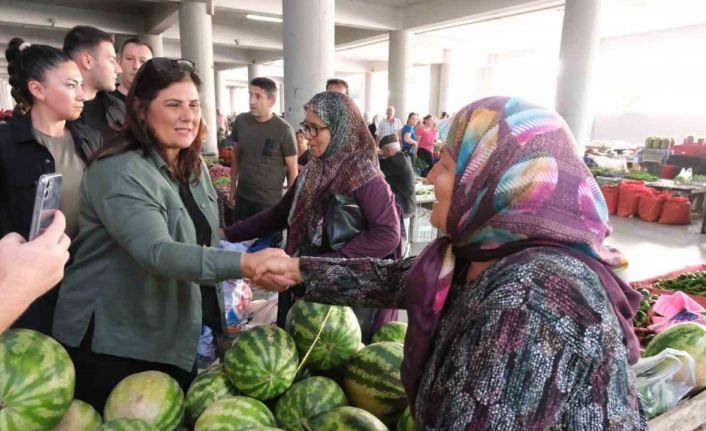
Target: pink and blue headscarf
[{"x": 520, "y": 183}]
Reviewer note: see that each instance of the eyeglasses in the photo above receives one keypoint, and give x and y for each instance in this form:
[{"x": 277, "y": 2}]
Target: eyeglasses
[
  {"x": 163, "y": 64},
  {"x": 311, "y": 129}
]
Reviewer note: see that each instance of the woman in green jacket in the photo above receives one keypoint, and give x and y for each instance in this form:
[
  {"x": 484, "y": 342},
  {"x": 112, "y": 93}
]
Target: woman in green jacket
[{"x": 144, "y": 275}]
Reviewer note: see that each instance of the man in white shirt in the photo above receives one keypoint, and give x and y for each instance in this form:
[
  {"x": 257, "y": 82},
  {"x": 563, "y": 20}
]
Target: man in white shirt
[{"x": 390, "y": 125}]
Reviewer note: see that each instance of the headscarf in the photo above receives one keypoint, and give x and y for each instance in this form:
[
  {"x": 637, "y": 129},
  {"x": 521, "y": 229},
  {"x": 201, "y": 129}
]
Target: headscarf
[
  {"x": 519, "y": 183},
  {"x": 349, "y": 162}
]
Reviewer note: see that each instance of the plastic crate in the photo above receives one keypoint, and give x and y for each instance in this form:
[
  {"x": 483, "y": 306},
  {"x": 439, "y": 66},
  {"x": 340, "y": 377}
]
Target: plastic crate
[{"x": 422, "y": 230}]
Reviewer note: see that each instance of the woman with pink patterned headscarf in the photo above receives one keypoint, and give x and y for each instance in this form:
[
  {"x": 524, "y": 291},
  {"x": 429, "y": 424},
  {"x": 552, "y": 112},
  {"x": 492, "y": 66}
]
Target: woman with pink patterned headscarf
[{"x": 516, "y": 320}]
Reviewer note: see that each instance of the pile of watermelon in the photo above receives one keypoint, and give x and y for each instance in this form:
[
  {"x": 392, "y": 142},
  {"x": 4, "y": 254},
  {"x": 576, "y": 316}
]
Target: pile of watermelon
[{"x": 316, "y": 375}]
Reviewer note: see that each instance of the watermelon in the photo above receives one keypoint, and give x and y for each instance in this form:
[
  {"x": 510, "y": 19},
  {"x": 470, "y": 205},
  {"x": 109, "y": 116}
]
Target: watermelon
[
  {"x": 689, "y": 337},
  {"x": 345, "y": 419},
  {"x": 37, "y": 381},
  {"x": 306, "y": 399},
  {"x": 393, "y": 331},
  {"x": 235, "y": 414},
  {"x": 262, "y": 363},
  {"x": 406, "y": 421},
  {"x": 80, "y": 417},
  {"x": 339, "y": 339},
  {"x": 372, "y": 381},
  {"x": 264, "y": 429},
  {"x": 152, "y": 396},
  {"x": 127, "y": 424},
  {"x": 206, "y": 389}
]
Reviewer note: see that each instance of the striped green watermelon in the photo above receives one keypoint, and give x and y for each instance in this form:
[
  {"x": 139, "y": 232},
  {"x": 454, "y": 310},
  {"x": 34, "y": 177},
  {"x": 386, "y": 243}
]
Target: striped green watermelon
[
  {"x": 80, "y": 417},
  {"x": 37, "y": 381},
  {"x": 127, "y": 424},
  {"x": 152, "y": 396},
  {"x": 262, "y": 363},
  {"x": 206, "y": 389},
  {"x": 406, "y": 421},
  {"x": 372, "y": 381},
  {"x": 264, "y": 429},
  {"x": 345, "y": 419},
  {"x": 306, "y": 399},
  {"x": 235, "y": 414},
  {"x": 339, "y": 339},
  {"x": 393, "y": 331},
  {"x": 689, "y": 337}
]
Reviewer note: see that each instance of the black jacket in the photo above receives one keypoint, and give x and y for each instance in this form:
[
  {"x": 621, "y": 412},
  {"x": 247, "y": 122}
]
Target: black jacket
[
  {"x": 22, "y": 161},
  {"x": 399, "y": 174}
]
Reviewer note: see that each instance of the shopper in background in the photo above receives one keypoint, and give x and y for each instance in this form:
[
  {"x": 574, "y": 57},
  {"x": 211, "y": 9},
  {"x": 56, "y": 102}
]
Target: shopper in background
[
  {"x": 399, "y": 174},
  {"x": 93, "y": 51},
  {"x": 42, "y": 138},
  {"x": 336, "y": 84},
  {"x": 147, "y": 263},
  {"x": 134, "y": 53},
  {"x": 427, "y": 140},
  {"x": 516, "y": 320},
  {"x": 343, "y": 161},
  {"x": 408, "y": 136},
  {"x": 390, "y": 125},
  {"x": 30, "y": 269},
  {"x": 264, "y": 153}
]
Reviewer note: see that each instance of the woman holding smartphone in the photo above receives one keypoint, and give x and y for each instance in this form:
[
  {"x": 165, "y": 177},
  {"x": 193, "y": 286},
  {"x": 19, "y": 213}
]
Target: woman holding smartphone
[
  {"x": 42, "y": 138},
  {"x": 144, "y": 275}
]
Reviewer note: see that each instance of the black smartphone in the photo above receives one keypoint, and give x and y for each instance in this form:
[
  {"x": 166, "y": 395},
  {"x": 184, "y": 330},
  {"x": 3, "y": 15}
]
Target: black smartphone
[{"x": 46, "y": 202}]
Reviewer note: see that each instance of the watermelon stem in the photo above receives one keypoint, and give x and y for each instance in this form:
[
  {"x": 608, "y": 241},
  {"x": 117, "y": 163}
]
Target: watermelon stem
[{"x": 318, "y": 335}]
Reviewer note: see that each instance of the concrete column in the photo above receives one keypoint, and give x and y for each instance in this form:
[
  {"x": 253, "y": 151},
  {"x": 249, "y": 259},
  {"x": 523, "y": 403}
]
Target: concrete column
[
  {"x": 221, "y": 94},
  {"x": 254, "y": 70},
  {"x": 196, "y": 36},
  {"x": 446, "y": 77},
  {"x": 434, "y": 86},
  {"x": 580, "y": 41},
  {"x": 233, "y": 98},
  {"x": 369, "y": 94},
  {"x": 308, "y": 35},
  {"x": 399, "y": 71},
  {"x": 280, "y": 96},
  {"x": 5, "y": 96},
  {"x": 156, "y": 42}
]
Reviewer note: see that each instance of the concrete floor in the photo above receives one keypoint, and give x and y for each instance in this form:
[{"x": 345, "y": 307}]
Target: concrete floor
[{"x": 651, "y": 248}]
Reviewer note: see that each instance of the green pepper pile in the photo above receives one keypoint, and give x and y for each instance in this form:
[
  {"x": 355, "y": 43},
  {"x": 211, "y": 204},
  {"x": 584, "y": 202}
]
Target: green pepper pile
[
  {"x": 691, "y": 283},
  {"x": 641, "y": 320}
]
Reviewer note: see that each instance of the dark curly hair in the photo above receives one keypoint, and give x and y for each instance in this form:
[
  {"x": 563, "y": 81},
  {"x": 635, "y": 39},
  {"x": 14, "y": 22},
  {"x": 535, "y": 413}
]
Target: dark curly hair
[
  {"x": 29, "y": 63},
  {"x": 149, "y": 82}
]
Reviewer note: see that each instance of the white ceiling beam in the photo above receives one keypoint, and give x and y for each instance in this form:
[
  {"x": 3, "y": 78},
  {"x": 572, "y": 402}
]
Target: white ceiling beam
[
  {"x": 48, "y": 16},
  {"x": 432, "y": 14},
  {"x": 348, "y": 13},
  {"x": 160, "y": 17}
]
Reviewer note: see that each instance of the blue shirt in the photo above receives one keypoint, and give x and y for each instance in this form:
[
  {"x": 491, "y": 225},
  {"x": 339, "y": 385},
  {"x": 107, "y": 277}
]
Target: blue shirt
[{"x": 407, "y": 129}]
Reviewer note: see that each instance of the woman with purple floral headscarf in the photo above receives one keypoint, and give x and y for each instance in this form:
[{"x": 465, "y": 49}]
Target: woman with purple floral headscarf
[{"x": 516, "y": 321}]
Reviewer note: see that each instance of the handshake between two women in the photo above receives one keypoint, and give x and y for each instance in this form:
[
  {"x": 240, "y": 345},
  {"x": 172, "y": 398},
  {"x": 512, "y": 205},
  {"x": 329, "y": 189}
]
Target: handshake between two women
[{"x": 271, "y": 269}]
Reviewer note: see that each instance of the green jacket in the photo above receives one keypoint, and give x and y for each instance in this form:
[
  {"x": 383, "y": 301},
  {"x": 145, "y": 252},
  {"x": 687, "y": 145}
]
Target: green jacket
[{"x": 137, "y": 266}]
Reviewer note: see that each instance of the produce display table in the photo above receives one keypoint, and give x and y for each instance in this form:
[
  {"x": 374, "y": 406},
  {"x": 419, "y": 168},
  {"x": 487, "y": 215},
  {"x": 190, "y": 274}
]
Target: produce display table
[
  {"x": 688, "y": 415},
  {"x": 420, "y": 220}
]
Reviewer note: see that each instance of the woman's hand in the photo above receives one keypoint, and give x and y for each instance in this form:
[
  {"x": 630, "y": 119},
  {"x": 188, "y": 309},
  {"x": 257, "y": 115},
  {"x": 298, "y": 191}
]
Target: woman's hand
[
  {"x": 278, "y": 273},
  {"x": 250, "y": 261}
]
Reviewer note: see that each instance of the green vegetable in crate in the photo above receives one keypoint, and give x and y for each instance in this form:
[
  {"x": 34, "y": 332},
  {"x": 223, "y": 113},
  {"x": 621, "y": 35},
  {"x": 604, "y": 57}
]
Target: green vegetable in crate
[
  {"x": 152, "y": 396},
  {"x": 689, "y": 337},
  {"x": 641, "y": 319},
  {"x": 37, "y": 381},
  {"x": 406, "y": 421},
  {"x": 372, "y": 381},
  {"x": 339, "y": 338},
  {"x": 206, "y": 389},
  {"x": 393, "y": 331},
  {"x": 641, "y": 176},
  {"x": 235, "y": 414},
  {"x": 80, "y": 417},
  {"x": 128, "y": 424},
  {"x": 345, "y": 419},
  {"x": 262, "y": 363},
  {"x": 307, "y": 399},
  {"x": 221, "y": 182},
  {"x": 692, "y": 283}
]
